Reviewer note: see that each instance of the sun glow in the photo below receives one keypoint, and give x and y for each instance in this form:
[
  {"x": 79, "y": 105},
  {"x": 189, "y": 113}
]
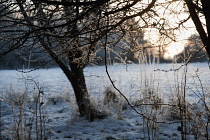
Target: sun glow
[{"x": 171, "y": 31}]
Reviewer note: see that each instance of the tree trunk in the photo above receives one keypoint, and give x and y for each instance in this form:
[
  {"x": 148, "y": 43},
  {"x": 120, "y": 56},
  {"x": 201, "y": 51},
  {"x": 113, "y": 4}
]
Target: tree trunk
[
  {"x": 206, "y": 11},
  {"x": 198, "y": 24},
  {"x": 77, "y": 79},
  {"x": 81, "y": 93}
]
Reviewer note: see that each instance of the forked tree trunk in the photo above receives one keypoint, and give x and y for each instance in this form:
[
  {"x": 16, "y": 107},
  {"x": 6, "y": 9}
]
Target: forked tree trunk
[{"x": 77, "y": 79}]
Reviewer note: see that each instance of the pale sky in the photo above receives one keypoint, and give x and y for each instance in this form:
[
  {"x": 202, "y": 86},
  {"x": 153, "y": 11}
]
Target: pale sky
[{"x": 171, "y": 20}]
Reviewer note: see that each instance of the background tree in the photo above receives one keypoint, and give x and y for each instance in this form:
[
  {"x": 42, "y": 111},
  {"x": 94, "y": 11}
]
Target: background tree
[
  {"x": 70, "y": 32},
  {"x": 193, "y": 51}
]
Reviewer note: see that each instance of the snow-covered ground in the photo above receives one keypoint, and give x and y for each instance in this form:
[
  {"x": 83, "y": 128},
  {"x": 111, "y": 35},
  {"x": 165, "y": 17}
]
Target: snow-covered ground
[{"x": 146, "y": 86}]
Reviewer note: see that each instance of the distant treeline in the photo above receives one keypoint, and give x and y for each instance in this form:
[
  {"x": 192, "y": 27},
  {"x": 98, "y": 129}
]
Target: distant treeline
[
  {"x": 20, "y": 59},
  {"x": 12, "y": 61}
]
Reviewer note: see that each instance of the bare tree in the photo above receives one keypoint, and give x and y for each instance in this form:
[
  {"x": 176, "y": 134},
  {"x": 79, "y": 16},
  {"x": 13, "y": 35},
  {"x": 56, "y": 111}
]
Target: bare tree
[{"x": 68, "y": 31}]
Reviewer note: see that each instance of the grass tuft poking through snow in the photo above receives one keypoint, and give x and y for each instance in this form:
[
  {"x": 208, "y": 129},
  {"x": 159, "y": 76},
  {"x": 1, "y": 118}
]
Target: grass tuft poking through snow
[{"x": 113, "y": 103}]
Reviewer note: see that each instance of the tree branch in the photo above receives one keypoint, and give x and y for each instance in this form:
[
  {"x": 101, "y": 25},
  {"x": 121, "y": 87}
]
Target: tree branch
[
  {"x": 197, "y": 22},
  {"x": 71, "y": 3}
]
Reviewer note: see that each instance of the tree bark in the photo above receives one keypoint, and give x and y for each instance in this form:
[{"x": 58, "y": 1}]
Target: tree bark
[
  {"x": 79, "y": 86},
  {"x": 206, "y": 11}
]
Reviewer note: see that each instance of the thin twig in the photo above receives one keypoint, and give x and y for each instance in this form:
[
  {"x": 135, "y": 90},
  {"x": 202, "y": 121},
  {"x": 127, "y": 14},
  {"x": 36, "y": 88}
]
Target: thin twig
[
  {"x": 186, "y": 63},
  {"x": 112, "y": 82}
]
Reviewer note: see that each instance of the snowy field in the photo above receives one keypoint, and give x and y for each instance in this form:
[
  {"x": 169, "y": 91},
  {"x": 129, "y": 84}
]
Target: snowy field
[{"x": 155, "y": 90}]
